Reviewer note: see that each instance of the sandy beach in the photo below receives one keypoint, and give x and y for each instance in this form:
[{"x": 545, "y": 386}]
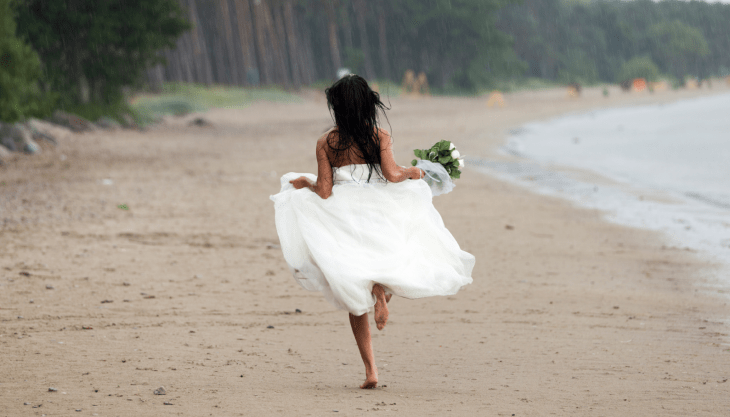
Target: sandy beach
[{"x": 187, "y": 288}]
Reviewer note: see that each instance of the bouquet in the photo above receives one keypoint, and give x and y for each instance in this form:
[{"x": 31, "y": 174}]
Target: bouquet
[
  {"x": 441, "y": 164},
  {"x": 443, "y": 153}
]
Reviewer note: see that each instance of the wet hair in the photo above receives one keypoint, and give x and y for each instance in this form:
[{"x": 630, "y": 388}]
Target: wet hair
[{"x": 355, "y": 108}]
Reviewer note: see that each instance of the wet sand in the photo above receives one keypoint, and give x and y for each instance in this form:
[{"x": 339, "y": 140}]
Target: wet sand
[{"x": 568, "y": 314}]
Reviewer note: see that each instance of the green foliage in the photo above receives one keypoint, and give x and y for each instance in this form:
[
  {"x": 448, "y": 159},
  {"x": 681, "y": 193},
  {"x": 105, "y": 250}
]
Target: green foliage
[
  {"x": 456, "y": 42},
  {"x": 578, "y": 68},
  {"x": 589, "y": 41},
  {"x": 638, "y": 67},
  {"x": 677, "y": 45},
  {"x": 440, "y": 153},
  {"x": 95, "y": 111},
  {"x": 91, "y": 49},
  {"x": 20, "y": 95},
  {"x": 354, "y": 60}
]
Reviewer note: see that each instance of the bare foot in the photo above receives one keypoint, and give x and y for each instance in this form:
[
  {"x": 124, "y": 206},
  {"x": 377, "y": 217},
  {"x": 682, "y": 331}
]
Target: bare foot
[
  {"x": 371, "y": 379},
  {"x": 381, "y": 306}
]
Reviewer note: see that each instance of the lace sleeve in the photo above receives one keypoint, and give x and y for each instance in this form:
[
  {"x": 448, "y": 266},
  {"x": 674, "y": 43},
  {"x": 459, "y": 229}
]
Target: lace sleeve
[{"x": 391, "y": 171}]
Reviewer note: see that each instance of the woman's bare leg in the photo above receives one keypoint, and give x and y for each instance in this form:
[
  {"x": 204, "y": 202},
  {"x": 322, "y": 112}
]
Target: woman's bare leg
[
  {"x": 361, "y": 330},
  {"x": 381, "y": 306}
]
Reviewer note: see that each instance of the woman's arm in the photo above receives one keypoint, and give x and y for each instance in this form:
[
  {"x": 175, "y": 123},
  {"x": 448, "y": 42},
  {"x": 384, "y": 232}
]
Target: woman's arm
[
  {"x": 391, "y": 171},
  {"x": 323, "y": 186}
]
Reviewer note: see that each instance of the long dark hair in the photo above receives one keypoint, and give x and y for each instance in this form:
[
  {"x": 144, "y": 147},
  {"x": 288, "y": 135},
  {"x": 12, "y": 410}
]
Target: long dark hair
[{"x": 355, "y": 109}]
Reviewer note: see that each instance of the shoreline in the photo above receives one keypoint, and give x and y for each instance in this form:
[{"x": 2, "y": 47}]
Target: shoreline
[
  {"x": 568, "y": 314},
  {"x": 685, "y": 220}
]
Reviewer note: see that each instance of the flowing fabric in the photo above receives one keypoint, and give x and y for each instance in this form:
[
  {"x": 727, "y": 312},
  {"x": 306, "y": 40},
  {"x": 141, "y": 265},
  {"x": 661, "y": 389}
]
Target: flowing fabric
[
  {"x": 368, "y": 233},
  {"x": 437, "y": 178}
]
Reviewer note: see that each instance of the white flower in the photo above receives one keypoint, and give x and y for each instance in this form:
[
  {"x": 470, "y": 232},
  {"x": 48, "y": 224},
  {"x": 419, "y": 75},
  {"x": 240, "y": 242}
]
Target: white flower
[
  {"x": 452, "y": 147},
  {"x": 461, "y": 162},
  {"x": 455, "y": 154}
]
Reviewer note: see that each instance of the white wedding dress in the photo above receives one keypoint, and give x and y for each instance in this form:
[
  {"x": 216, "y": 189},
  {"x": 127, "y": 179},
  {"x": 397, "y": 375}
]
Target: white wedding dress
[{"x": 368, "y": 233}]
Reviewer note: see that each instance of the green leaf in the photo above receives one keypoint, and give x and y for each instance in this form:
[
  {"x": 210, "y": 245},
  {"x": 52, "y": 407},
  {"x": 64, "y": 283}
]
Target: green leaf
[
  {"x": 455, "y": 173},
  {"x": 445, "y": 160},
  {"x": 414, "y": 162}
]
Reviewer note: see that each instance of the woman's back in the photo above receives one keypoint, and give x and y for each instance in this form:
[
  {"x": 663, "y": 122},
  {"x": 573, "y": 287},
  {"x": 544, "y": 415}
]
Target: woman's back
[
  {"x": 347, "y": 156},
  {"x": 389, "y": 169}
]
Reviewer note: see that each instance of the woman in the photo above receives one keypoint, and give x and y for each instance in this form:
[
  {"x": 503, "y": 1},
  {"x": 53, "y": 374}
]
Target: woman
[{"x": 365, "y": 228}]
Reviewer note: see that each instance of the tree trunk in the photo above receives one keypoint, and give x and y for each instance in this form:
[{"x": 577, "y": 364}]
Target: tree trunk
[
  {"x": 383, "y": 40},
  {"x": 246, "y": 35},
  {"x": 360, "y": 13},
  {"x": 332, "y": 32},
  {"x": 232, "y": 70},
  {"x": 264, "y": 54},
  {"x": 294, "y": 49},
  {"x": 279, "y": 36},
  {"x": 155, "y": 78},
  {"x": 200, "y": 56},
  {"x": 309, "y": 71}
]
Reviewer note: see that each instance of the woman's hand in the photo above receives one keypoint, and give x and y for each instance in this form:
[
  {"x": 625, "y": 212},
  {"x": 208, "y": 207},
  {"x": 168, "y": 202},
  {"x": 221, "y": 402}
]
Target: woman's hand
[
  {"x": 417, "y": 173},
  {"x": 300, "y": 183}
]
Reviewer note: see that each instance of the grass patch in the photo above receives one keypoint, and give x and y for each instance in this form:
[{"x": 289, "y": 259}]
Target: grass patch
[
  {"x": 95, "y": 111},
  {"x": 182, "y": 98}
]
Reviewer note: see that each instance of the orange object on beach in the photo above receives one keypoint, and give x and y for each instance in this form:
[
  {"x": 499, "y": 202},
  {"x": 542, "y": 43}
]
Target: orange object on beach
[
  {"x": 495, "y": 98},
  {"x": 639, "y": 84}
]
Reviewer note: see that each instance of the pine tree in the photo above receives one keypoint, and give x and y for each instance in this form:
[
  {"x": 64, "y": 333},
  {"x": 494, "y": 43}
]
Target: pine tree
[
  {"x": 19, "y": 71},
  {"x": 91, "y": 49}
]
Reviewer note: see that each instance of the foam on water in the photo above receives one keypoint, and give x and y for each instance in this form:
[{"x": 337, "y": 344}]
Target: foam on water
[{"x": 668, "y": 165}]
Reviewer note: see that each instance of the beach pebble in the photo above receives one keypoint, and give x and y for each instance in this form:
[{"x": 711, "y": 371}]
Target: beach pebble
[
  {"x": 168, "y": 403},
  {"x": 201, "y": 122},
  {"x": 297, "y": 311},
  {"x": 26, "y": 403},
  {"x": 160, "y": 391},
  {"x": 108, "y": 123},
  {"x": 269, "y": 327},
  {"x": 72, "y": 121},
  {"x": 51, "y": 389},
  {"x": 49, "y": 287}
]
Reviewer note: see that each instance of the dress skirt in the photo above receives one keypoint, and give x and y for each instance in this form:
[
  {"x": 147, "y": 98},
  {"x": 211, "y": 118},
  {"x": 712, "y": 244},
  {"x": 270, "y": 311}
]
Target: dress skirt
[{"x": 368, "y": 233}]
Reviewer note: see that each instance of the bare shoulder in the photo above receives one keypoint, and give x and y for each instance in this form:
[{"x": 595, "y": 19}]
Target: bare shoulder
[
  {"x": 322, "y": 141},
  {"x": 384, "y": 138}
]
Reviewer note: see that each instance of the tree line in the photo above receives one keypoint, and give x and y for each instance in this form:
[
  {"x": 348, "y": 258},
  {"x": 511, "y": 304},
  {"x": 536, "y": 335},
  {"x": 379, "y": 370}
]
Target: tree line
[
  {"x": 297, "y": 42},
  {"x": 593, "y": 41},
  {"x": 76, "y": 53},
  {"x": 459, "y": 44}
]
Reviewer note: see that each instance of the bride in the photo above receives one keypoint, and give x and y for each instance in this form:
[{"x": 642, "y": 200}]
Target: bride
[{"x": 365, "y": 228}]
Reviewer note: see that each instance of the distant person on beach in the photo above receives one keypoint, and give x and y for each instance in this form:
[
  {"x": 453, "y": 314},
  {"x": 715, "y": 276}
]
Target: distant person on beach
[{"x": 365, "y": 228}]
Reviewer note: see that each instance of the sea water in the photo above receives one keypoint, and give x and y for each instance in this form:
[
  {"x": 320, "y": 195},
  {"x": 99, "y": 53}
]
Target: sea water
[{"x": 662, "y": 167}]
